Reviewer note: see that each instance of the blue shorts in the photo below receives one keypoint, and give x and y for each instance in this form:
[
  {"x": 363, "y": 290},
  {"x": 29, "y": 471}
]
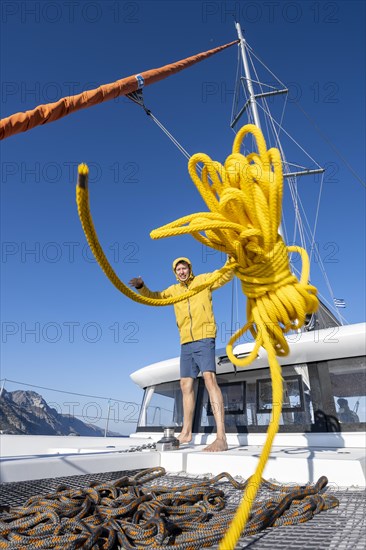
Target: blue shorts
[{"x": 198, "y": 356}]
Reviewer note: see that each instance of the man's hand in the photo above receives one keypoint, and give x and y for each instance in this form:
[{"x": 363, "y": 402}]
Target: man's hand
[{"x": 136, "y": 282}]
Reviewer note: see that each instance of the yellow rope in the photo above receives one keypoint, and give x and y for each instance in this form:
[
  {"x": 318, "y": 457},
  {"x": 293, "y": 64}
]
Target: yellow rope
[
  {"x": 82, "y": 200},
  {"x": 244, "y": 197}
]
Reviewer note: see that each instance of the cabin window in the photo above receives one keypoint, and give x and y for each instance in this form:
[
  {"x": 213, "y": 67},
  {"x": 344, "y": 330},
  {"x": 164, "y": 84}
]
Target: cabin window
[
  {"x": 162, "y": 406},
  {"x": 297, "y": 406},
  {"x": 348, "y": 382},
  {"x": 248, "y": 400},
  {"x": 233, "y": 394},
  {"x": 293, "y": 395}
]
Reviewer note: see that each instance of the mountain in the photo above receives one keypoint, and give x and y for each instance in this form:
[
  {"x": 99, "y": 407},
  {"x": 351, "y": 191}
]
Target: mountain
[{"x": 26, "y": 412}]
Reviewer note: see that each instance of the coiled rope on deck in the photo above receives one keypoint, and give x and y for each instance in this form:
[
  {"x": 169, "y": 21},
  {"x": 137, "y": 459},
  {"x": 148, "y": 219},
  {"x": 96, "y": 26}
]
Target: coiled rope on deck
[
  {"x": 244, "y": 198},
  {"x": 140, "y": 512}
]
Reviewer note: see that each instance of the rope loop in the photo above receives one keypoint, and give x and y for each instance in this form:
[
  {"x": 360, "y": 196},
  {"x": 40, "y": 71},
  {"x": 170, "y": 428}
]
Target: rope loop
[{"x": 244, "y": 198}]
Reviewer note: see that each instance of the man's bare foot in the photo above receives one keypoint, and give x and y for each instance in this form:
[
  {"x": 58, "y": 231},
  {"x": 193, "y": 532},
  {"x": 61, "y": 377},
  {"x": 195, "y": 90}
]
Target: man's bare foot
[
  {"x": 184, "y": 438},
  {"x": 217, "y": 446}
]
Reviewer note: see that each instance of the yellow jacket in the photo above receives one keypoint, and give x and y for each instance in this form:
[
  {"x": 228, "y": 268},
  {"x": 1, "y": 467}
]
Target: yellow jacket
[{"x": 195, "y": 317}]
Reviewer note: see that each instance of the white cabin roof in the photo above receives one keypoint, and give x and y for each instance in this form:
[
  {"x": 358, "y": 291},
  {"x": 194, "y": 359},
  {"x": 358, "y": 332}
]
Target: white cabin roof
[{"x": 305, "y": 347}]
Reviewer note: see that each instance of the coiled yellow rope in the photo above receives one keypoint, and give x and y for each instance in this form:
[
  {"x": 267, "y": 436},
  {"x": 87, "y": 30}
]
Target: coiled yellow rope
[{"x": 244, "y": 197}]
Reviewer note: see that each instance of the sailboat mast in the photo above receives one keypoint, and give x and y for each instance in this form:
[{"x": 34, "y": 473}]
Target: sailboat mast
[
  {"x": 252, "y": 99},
  {"x": 252, "y": 102},
  {"x": 324, "y": 317}
]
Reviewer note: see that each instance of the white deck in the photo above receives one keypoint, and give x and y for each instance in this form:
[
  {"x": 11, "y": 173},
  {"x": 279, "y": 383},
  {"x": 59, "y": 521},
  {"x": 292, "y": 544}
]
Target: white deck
[{"x": 298, "y": 458}]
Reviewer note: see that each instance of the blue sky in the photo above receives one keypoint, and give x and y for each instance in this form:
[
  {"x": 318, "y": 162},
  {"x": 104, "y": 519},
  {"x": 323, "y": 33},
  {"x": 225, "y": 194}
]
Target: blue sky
[{"x": 63, "y": 324}]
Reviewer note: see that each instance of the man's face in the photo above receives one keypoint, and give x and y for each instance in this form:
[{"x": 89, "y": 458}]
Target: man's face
[{"x": 182, "y": 271}]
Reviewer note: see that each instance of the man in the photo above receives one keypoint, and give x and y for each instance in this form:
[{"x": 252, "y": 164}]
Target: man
[
  {"x": 344, "y": 413},
  {"x": 197, "y": 328}
]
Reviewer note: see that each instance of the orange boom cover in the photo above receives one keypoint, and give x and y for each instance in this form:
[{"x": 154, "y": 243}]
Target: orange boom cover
[{"x": 22, "y": 122}]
